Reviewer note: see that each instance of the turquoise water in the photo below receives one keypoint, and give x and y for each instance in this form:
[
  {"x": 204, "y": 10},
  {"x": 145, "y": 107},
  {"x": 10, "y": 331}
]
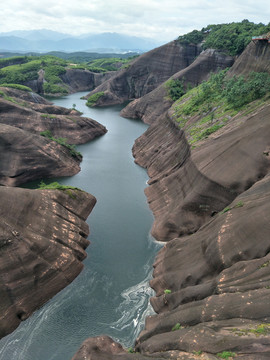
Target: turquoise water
[{"x": 111, "y": 295}]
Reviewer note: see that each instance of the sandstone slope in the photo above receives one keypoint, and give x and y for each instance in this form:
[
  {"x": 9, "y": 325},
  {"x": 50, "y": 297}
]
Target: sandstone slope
[
  {"x": 26, "y": 157},
  {"x": 42, "y": 241},
  {"x": 152, "y": 105},
  {"x": 18, "y": 110},
  {"x": 212, "y": 202},
  {"x": 145, "y": 73}
]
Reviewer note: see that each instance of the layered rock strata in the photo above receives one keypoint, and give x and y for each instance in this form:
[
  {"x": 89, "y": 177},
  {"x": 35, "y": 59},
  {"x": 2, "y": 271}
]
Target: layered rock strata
[
  {"x": 212, "y": 202},
  {"x": 42, "y": 244},
  {"x": 156, "y": 103},
  {"x": 26, "y": 157},
  {"x": 145, "y": 73},
  {"x": 38, "y": 117}
]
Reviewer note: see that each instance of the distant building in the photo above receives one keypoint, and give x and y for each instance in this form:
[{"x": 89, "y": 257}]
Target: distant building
[{"x": 264, "y": 37}]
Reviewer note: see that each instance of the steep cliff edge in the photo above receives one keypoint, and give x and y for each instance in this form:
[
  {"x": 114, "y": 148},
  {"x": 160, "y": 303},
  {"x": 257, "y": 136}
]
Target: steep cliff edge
[
  {"x": 26, "y": 155},
  {"x": 145, "y": 73},
  {"x": 152, "y": 105},
  {"x": 42, "y": 241},
  {"x": 209, "y": 191},
  {"x": 18, "y": 110}
]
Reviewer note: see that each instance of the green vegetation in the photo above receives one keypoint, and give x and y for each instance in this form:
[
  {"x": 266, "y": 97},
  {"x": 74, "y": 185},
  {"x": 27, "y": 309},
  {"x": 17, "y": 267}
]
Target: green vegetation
[
  {"x": 11, "y": 99},
  {"x": 175, "y": 88},
  {"x": 215, "y": 101},
  {"x": 56, "y": 186},
  {"x": 238, "y": 205},
  {"x": 232, "y": 37},
  {"x": 167, "y": 291},
  {"x": 91, "y": 101},
  {"x": 266, "y": 264},
  {"x": 22, "y": 69},
  {"x": 197, "y": 352},
  {"x": 63, "y": 142},
  {"x": 260, "y": 330},
  {"x": 131, "y": 350},
  {"x": 226, "y": 355},
  {"x": 54, "y": 89},
  {"x": 177, "y": 326},
  {"x": 17, "y": 86},
  {"x": 48, "y": 116}
]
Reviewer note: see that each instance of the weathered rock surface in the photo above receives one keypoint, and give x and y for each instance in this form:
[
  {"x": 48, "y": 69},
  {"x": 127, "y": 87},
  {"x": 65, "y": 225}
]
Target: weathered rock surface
[
  {"x": 145, "y": 73},
  {"x": 38, "y": 117},
  {"x": 84, "y": 80},
  {"x": 255, "y": 58},
  {"x": 42, "y": 241},
  {"x": 219, "y": 281},
  {"x": 26, "y": 157},
  {"x": 154, "y": 104},
  {"x": 75, "y": 80},
  {"x": 212, "y": 203}
]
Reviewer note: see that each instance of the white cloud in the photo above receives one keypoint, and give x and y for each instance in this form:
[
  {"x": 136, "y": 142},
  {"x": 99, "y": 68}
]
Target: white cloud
[{"x": 160, "y": 19}]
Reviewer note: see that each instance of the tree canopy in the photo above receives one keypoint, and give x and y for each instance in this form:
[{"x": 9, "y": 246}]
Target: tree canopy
[{"x": 232, "y": 37}]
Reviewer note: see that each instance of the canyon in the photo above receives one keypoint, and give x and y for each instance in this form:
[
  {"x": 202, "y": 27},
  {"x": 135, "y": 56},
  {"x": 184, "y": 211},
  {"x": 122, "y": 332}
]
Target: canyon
[{"x": 210, "y": 203}]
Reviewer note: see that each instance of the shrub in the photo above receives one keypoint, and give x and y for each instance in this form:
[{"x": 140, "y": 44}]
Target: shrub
[
  {"x": 54, "y": 89},
  {"x": 94, "y": 98},
  {"x": 175, "y": 89},
  {"x": 226, "y": 354},
  {"x": 167, "y": 291}
]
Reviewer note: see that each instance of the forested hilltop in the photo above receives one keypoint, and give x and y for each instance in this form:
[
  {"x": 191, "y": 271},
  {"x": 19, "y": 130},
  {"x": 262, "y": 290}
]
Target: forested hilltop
[
  {"x": 232, "y": 37},
  {"x": 45, "y": 74}
]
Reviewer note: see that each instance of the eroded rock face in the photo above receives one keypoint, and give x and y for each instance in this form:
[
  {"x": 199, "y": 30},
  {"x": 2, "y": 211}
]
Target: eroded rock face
[
  {"x": 26, "y": 157},
  {"x": 156, "y": 103},
  {"x": 219, "y": 281},
  {"x": 254, "y": 58},
  {"x": 212, "y": 278},
  {"x": 42, "y": 241},
  {"x": 145, "y": 73},
  {"x": 38, "y": 117},
  {"x": 84, "y": 80}
]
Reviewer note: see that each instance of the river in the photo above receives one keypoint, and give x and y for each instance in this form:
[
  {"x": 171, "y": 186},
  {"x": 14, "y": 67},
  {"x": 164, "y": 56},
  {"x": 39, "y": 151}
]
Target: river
[{"x": 111, "y": 295}]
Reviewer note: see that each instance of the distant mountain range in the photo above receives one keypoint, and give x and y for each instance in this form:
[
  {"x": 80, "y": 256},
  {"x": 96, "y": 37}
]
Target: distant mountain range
[{"x": 47, "y": 40}]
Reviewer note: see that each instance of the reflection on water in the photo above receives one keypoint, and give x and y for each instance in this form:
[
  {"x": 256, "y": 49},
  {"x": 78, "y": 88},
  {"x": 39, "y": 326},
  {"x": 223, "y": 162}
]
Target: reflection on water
[{"x": 111, "y": 295}]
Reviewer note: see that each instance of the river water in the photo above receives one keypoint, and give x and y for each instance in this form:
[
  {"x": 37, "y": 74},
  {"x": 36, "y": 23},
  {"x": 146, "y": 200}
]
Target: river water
[{"x": 111, "y": 295}]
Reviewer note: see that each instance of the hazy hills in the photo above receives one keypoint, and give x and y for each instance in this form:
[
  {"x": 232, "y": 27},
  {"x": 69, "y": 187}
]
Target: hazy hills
[{"x": 47, "y": 40}]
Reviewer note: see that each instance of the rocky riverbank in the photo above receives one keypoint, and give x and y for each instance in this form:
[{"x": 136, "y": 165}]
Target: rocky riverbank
[
  {"x": 43, "y": 233},
  {"x": 211, "y": 205}
]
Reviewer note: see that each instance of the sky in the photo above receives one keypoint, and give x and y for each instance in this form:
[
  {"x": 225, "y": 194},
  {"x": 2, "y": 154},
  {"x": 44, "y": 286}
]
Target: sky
[{"x": 161, "y": 20}]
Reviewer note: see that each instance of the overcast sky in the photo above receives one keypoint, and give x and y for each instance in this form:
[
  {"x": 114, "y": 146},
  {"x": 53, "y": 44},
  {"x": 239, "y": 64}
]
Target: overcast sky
[{"x": 163, "y": 20}]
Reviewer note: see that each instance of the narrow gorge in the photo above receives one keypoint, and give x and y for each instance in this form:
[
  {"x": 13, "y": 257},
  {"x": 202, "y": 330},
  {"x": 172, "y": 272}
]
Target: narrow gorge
[{"x": 206, "y": 152}]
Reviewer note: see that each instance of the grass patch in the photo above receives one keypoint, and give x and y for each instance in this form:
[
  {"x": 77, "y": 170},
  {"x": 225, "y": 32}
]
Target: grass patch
[
  {"x": 91, "y": 101},
  {"x": 167, "y": 291},
  {"x": 17, "y": 86},
  {"x": 47, "y": 116},
  {"x": 259, "y": 330},
  {"x": 62, "y": 141},
  {"x": 238, "y": 205},
  {"x": 226, "y": 355},
  {"x": 56, "y": 186},
  {"x": 177, "y": 326}
]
